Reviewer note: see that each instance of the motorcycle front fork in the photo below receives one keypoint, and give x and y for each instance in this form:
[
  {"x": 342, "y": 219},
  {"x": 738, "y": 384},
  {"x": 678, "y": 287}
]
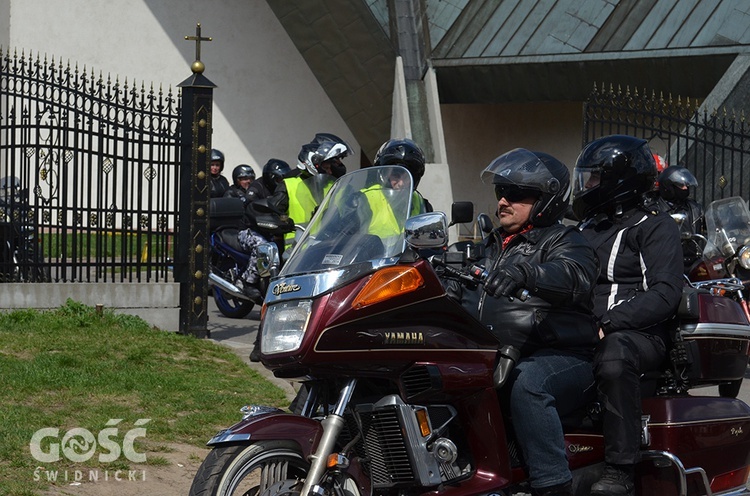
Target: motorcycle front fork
[{"x": 333, "y": 424}]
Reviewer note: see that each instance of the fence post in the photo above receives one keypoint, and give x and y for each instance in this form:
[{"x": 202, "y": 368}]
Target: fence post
[{"x": 191, "y": 261}]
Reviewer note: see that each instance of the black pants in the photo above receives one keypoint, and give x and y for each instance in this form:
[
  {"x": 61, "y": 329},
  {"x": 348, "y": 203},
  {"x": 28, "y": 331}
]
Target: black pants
[{"x": 620, "y": 359}]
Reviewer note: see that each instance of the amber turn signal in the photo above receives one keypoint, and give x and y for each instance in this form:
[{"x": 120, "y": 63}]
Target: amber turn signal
[
  {"x": 424, "y": 422},
  {"x": 387, "y": 283}
]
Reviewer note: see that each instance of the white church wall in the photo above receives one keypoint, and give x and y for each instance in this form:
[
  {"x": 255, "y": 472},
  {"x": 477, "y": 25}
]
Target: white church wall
[{"x": 267, "y": 101}]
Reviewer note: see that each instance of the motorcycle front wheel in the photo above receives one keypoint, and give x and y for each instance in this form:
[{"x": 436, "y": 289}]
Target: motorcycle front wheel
[
  {"x": 268, "y": 468},
  {"x": 232, "y": 307}
]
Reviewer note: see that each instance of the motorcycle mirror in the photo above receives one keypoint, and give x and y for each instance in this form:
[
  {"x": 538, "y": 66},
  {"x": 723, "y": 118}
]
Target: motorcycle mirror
[
  {"x": 485, "y": 224},
  {"x": 427, "y": 230},
  {"x": 744, "y": 257},
  {"x": 268, "y": 259},
  {"x": 461, "y": 212},
  {"x": 679, "y": 217}
]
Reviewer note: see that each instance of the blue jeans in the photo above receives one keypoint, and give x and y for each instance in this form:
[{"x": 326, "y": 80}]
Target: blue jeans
[{"x": 544, "y": 386}]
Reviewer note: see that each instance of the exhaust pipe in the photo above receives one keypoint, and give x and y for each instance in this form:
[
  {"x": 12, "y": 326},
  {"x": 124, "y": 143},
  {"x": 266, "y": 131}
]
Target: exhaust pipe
[{"x": 226, "y": 286}]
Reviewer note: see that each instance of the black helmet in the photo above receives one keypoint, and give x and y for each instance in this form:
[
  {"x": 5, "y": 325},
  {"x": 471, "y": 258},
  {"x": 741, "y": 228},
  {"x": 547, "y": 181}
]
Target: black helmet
[
  {"x": 538, "y": 172},
  {"x": 675, "y": 183},
  {"x": 242, "y": 171},
  {"x": 217, "y": 156},
  {"x": 613, "y": 171},
  {"x": 274, "y": 172},
  {"x": 323, "y": 147},
  {"x": 402, "y": 152}
]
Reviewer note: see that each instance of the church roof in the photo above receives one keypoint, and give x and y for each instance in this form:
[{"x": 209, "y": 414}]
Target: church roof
[{"x": 491, "y": 51}]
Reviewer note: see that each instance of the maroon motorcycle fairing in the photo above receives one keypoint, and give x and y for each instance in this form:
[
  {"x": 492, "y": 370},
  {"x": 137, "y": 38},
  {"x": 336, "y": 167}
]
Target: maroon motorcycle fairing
[{"x": 398, "y": 332}]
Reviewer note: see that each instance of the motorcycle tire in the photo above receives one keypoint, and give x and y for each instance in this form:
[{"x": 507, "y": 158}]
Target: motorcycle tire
[
  {"x": 232, "y": 307},
  {"x": 269, "y": 468},
  {"x": 250, "y": 469},
  {"x": 730, "y": 389}
]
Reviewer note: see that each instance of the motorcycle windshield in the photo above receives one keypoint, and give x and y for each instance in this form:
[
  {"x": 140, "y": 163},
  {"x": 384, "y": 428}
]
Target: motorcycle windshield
[
  {"x": 360, "y": 222},
  {"x": 727, "y": 227}
]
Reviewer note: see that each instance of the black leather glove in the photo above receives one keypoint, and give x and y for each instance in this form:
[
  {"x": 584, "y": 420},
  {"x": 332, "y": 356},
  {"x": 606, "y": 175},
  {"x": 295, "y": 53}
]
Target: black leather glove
[{"x": 505, "y": 281}]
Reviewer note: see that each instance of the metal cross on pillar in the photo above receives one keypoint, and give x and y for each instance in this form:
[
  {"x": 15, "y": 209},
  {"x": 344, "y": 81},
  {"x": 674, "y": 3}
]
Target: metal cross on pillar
[
  {"x": 197, "y": 39},
  {"x": 191, "y": 261}
]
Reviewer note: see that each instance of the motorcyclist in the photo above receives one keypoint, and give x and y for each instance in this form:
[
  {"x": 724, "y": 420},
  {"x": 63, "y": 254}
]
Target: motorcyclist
[
  {"x": 272, "y": 183},
  {"x": 218, "y": 184},
  {"x": 249, "y": 237},
  {"x": 554, "y": 330},
  {"x": 242, "y": 176},
  {"x": 637, "y": 292},
  {"x": 406, "y": 153},
  {"x": 320, "y": 163},
  {"x": 675, "y": 184}
]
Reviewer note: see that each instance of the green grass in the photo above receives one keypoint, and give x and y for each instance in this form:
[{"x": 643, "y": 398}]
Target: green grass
[
  {"x": 92, "y": 245},
  {"x": 71, "y": 368}
]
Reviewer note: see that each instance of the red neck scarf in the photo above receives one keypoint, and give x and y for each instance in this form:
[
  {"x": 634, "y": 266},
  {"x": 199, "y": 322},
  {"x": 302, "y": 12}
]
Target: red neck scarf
[{"x": 506, "y": 238}]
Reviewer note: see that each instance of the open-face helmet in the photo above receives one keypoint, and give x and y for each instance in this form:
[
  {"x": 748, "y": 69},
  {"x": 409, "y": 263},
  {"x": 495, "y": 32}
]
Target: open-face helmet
[
  {"x": 402, "y": 152},
  {"x": 525, "y": 173},
  {"x": 217, "y": 156},
  {"x": 612, "y": 172},
  {"x": 242, "y": 171}
]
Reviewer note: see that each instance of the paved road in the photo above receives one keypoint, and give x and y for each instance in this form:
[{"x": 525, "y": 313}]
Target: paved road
[{"x": 239, "y": 334}]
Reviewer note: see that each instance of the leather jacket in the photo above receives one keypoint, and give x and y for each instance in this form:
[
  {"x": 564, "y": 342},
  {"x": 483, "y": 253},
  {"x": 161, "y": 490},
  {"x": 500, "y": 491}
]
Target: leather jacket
[
  {"x": 558, "y": 314},
  {"x": 218, "y": 185}
]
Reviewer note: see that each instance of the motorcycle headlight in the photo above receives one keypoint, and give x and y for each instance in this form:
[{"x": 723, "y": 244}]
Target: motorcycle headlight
[
  {"x": 744, "y": 257},
  {"x": 284, "y": 326}
]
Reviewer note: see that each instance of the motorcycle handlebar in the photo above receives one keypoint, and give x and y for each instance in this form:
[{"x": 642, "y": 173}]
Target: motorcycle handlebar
[{"x": 474, "y": 274}]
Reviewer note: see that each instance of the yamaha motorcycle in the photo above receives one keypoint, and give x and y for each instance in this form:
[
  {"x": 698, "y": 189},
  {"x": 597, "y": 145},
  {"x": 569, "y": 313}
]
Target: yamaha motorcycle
[
  {"x": 403, "y": 382},
  {"x": 21, "y": 255},
  {"x": 228, "y": 260}
]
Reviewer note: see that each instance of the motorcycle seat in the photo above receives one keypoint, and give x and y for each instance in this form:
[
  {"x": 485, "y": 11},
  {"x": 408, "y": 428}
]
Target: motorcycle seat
[{"x": 228, "y": 236}]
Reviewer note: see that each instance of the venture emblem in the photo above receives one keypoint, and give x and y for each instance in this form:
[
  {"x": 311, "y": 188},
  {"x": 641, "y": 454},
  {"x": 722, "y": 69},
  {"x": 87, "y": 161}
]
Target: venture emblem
[{"x": 283, "y": 287}]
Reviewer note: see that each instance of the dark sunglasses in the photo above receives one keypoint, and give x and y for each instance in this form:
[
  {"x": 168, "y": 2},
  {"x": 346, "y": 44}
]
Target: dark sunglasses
[{"x": 514, "y": 193}]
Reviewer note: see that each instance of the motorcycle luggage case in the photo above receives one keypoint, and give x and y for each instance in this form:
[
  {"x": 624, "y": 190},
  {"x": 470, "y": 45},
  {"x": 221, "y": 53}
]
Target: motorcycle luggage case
[
  {"x": 708, "y": 432},
  {"x": 225, "y": 212},
  {"x": 717, "y": 334}
]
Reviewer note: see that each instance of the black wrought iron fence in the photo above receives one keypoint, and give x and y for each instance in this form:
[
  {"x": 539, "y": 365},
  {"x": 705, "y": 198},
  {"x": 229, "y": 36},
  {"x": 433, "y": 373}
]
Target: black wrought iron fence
[
  {"x": 714, "y": 144},
  {"x": 89, "y": 175}
]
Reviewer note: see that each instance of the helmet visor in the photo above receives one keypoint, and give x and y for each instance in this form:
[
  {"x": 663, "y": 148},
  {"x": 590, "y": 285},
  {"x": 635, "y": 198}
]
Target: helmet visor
[
  {"x": 523, "y": 169},
  {"x": 514, "y": 194},
  {"x": 681, "y": 178},
  {"x": 585, "y": 179}
]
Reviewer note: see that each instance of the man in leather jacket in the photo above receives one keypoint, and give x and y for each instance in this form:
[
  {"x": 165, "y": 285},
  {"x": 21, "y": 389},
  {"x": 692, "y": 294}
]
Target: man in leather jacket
[
  {"x": 637, "y": 292},
  {"x": 554, "y": 329}
]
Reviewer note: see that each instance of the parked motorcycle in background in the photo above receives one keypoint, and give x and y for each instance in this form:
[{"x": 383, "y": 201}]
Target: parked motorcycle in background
[
  {"x": 403, "y": 382},
  {"x": 21, "y": 255},
  {"x": 228, "y": 260},
  {"x": 725, "y": 269}
]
